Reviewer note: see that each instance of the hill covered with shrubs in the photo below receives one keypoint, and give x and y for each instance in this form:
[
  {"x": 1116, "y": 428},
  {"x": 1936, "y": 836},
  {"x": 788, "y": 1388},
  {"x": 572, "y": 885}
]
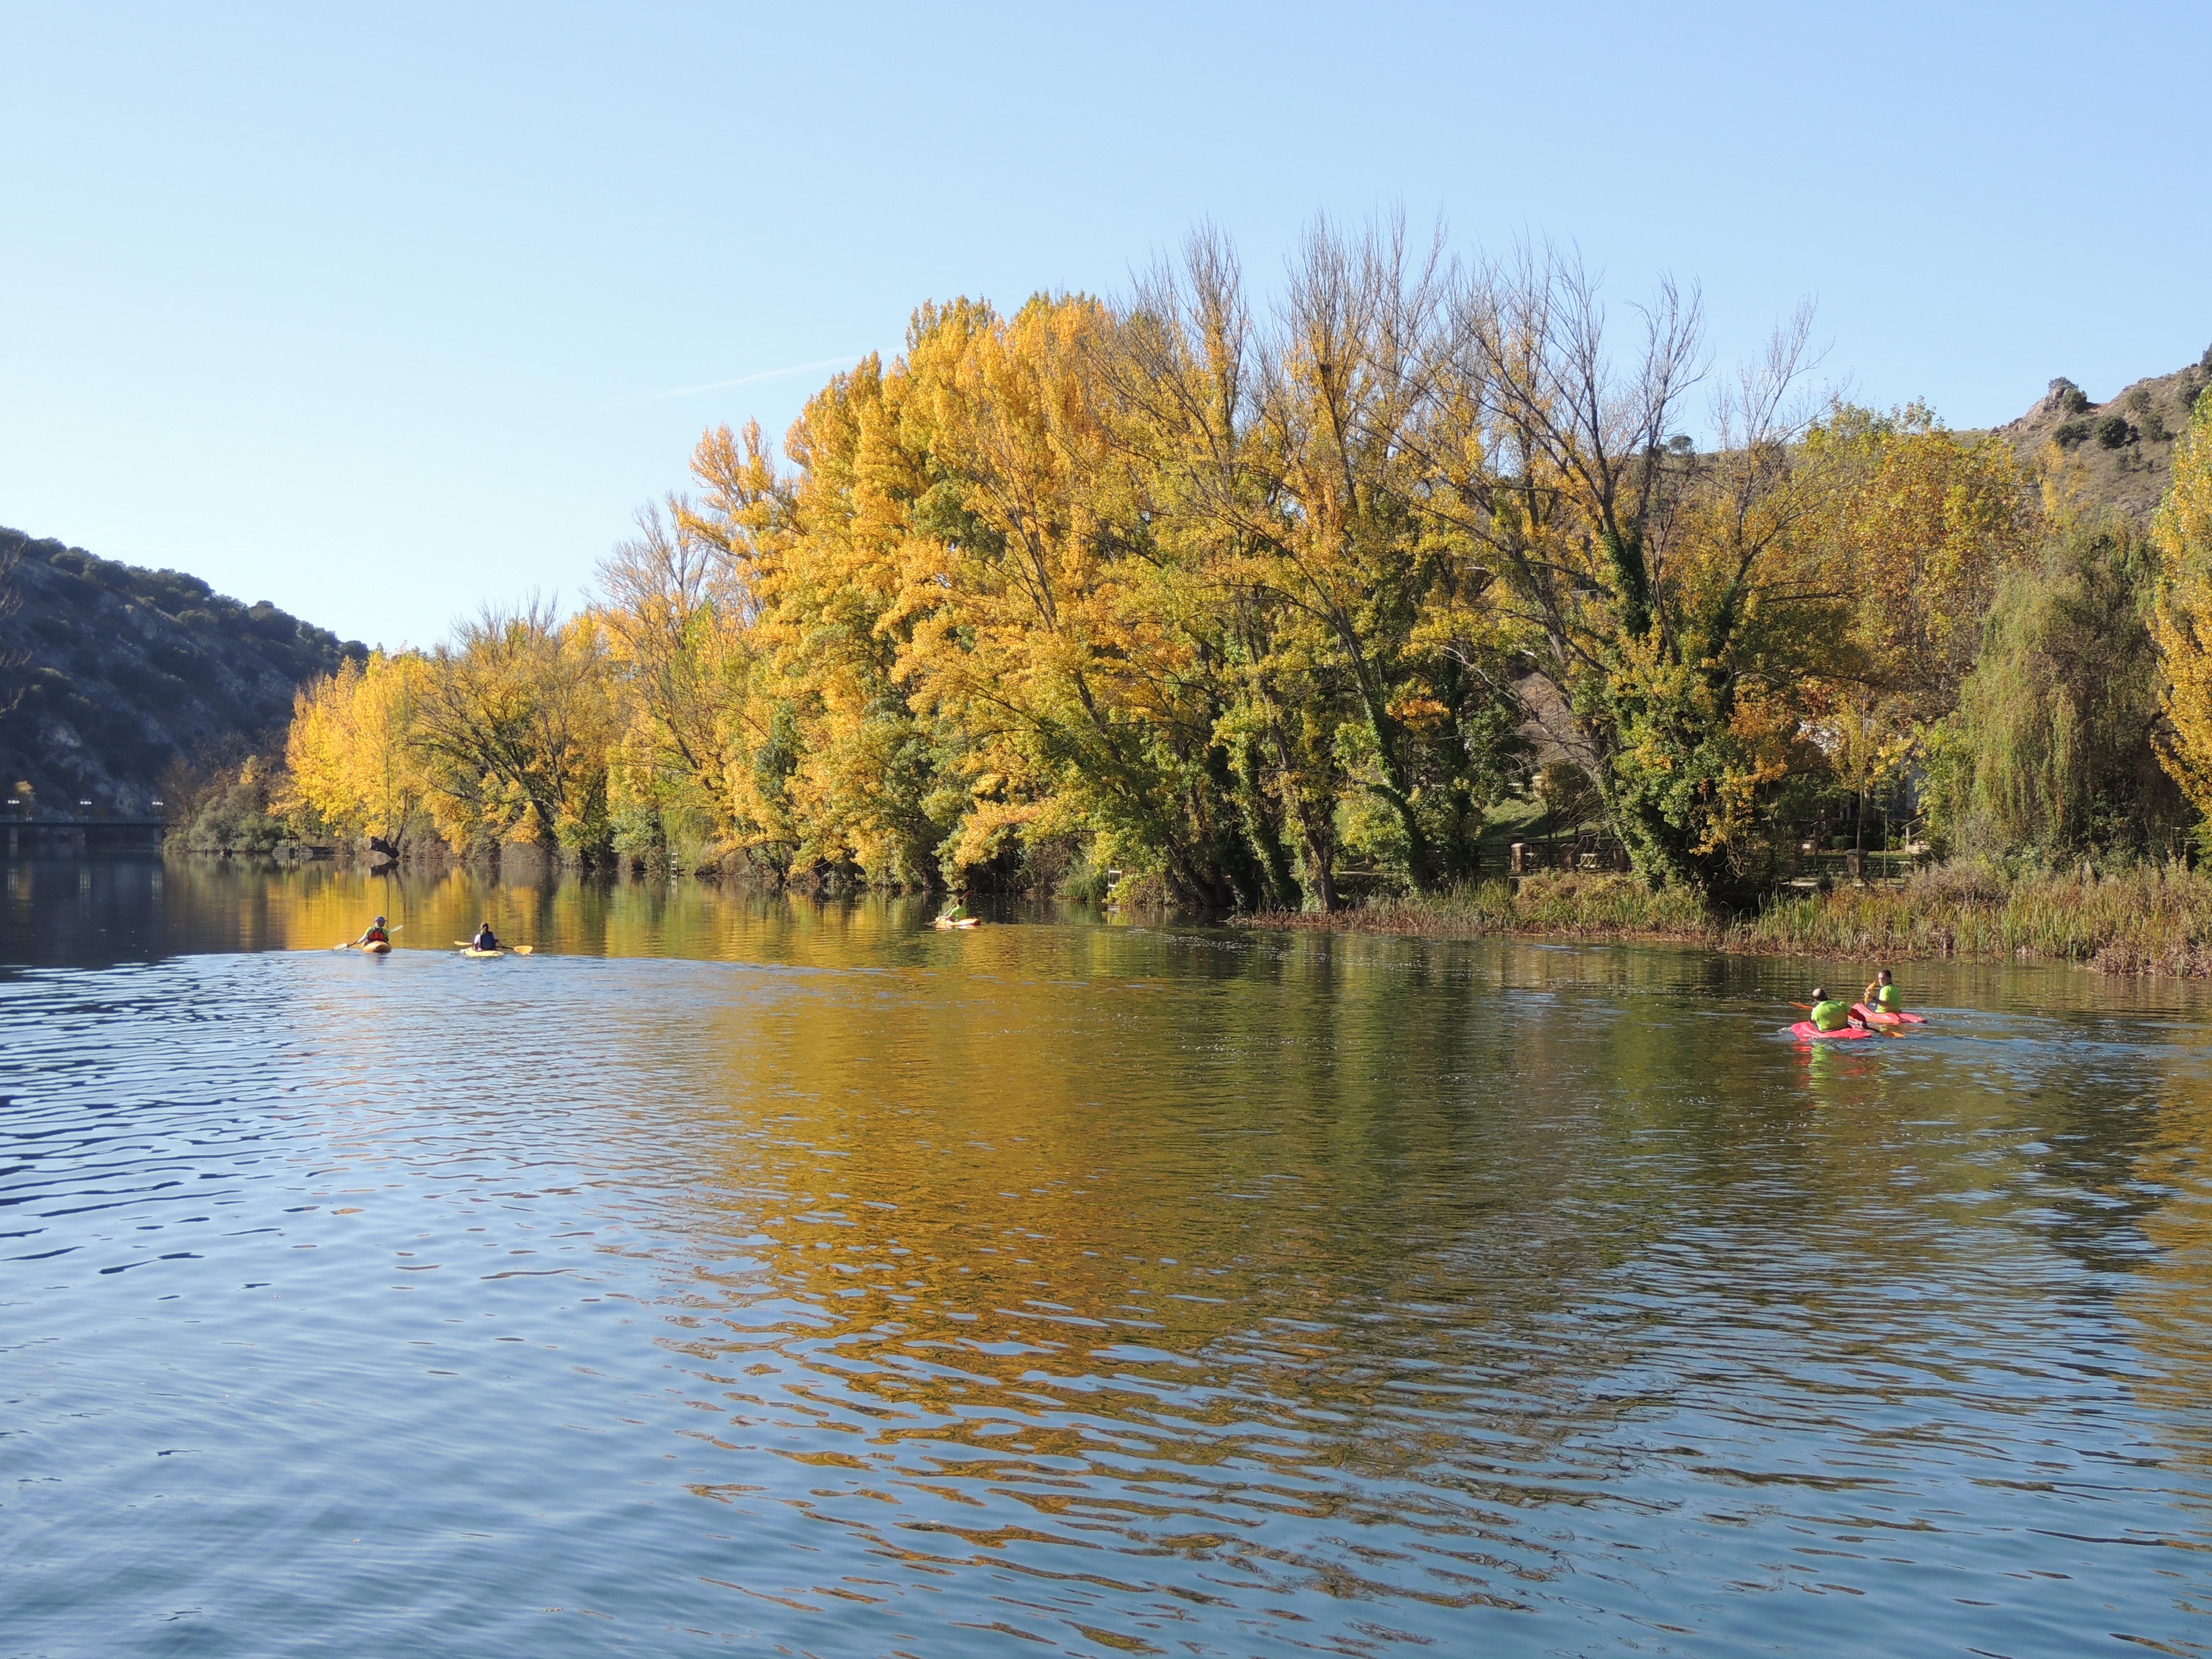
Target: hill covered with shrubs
[
  {"x": 2118, "y": 454},
  {"x": 118, "y": 673}
]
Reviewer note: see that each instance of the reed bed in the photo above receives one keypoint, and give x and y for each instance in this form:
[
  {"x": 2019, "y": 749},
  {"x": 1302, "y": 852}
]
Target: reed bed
[
  {"x": 2141, "y": 920},
  {"x": 2144, "y": 920},
  {"x": 1556, "y": 904}
]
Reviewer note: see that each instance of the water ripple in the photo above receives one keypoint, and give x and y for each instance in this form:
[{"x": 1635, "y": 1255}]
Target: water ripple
[{"x": 1126, "y": 1297}]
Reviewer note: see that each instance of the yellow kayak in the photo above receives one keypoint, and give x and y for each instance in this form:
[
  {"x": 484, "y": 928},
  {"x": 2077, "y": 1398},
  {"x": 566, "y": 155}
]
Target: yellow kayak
[
  {"x": 469, "y": 950},
  {"x": 965, "y": 921},
  {"x": 380, "y": 948}
]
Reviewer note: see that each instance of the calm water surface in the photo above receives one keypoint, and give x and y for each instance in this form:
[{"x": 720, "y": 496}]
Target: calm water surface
[{"x": 752, "y": 1275}]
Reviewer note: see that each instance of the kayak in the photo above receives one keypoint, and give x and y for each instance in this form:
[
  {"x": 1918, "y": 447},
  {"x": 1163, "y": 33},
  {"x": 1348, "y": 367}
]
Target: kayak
[
  {"x": 471, "y": 950},
  {"x": 1805, "y": 1030},
  {"x": 965, "y": 921},
  {"x": 1876, "y": 1016},
  {"x": 380, "y": 948}
]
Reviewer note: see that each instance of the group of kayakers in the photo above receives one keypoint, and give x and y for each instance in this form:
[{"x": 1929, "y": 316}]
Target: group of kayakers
[
  {"x": 1828, "y": 1014},
  {"x": 485, "y": 939},
  {"x": 1834, "y": 1014}
]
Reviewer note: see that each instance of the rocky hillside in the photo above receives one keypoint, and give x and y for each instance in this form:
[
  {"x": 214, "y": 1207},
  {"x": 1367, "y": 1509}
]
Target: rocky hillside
[
  {"x": 2119, "y": 452},
  {"x": 120, "y": 672}
]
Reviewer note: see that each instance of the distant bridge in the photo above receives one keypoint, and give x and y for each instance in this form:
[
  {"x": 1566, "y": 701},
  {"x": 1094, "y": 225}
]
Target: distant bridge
[{"x": 24, "y": 834}]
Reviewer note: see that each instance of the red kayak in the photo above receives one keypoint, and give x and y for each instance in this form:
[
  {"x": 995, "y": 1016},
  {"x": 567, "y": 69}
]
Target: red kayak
[
  {"x": 1876, "y": 1016},
  {"x": 1805, "y": 1030}
]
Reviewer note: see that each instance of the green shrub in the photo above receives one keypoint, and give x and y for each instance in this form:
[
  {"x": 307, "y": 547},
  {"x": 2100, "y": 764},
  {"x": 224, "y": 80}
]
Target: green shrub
[
  {"x": 2070, "y": 434},
  {"x": 2113, "y": 432}
]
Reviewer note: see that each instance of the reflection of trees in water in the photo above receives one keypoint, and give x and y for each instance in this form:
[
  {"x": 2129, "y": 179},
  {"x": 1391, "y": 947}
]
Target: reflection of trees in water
[
  {"x": 1180, "y": 1267},
  {"x": 1318, "y": 1235},
  {"x": 2099, "y": 1126},
  {"x": 2165, "y": 1294}
]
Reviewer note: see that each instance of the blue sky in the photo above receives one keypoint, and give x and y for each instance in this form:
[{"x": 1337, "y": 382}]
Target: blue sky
[{"x": 381, "y": 312}]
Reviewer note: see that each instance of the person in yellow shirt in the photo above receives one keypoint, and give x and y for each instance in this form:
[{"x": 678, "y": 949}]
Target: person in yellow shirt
[
  {"x": 1830, "y": 1013},
  {"x": 1883, "y": 996}
]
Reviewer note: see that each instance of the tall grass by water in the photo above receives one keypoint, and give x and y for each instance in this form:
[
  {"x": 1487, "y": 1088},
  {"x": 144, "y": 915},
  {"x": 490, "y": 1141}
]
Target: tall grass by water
[
  {"x": 2153, "y": 919},
  {"x": 1563, "y": 902},
  {"x": 2140, "y": 920}
]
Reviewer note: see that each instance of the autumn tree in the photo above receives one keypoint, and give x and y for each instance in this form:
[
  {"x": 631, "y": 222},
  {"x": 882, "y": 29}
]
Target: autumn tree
[
  {"x": 834, "y": 770},
  {"x": 1367, "y": 687},
  {"x": 674, "y": 611},
  {"x": 1052, "y": 633},
  {"x": 1671, "y": 598},
  {"x": 350, "y": 756},
  {"x": 1924, "y": 525},
  {"x": 513, "y": 722},
  {"x": 2181, "y": 617}
]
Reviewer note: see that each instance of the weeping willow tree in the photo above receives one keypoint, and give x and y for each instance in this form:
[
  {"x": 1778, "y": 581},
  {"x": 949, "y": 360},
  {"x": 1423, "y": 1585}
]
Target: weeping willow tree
[{"x": 2051, "y": 747}]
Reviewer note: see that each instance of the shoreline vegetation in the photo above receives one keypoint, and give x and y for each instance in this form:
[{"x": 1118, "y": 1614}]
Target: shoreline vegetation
[
  {"x": 2149, "y": 919},
  {"x": 1331, "y": 607}
]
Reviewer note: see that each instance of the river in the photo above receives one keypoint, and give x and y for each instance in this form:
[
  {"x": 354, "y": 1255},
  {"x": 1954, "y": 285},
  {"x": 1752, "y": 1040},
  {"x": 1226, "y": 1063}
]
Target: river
[{"x": 741, "y": 1273}]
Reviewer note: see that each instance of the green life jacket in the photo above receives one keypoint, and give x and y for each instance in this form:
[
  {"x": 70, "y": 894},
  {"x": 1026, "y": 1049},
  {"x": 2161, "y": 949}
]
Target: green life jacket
[
  {"x": 1832, "y": 1015},
  {"x": 1886, "y": 998}
]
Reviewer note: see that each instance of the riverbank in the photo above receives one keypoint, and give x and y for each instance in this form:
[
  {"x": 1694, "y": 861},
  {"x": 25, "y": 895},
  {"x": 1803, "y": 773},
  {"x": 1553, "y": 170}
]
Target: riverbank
[{"x": 2147, "y": 920}]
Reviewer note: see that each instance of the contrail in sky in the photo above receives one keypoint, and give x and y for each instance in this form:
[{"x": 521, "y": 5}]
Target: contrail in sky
[{"x": 742, "y": 380}]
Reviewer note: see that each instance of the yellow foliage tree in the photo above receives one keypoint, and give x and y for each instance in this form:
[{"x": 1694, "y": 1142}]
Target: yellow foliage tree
[
  {"x": 513, "y": 726},
  {"x": 1923, "y": 524},
  {"x": 350, "y": 753},
  {"x": 673, "y": 620},
  {"x": 2181, "y": 617}
]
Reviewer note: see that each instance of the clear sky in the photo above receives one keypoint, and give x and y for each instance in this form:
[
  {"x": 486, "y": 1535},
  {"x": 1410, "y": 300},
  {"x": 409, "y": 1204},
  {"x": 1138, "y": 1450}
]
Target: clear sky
[{"x": 381, "y": 312}]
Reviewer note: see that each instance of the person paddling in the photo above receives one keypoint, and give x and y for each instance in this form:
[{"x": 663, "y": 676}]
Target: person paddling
[
  {"x": 1883, "y": 996},
  {"x": 485, "y": 939},
  {"x": 1830, "y": 1013},
  {"x": 375, "y": 935}
]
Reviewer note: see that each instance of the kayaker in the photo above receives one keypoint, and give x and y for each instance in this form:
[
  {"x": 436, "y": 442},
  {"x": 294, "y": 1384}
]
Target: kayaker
[
  {"x": 375, "y": 935},
  {"x": 955, "y": 912},
  {"x": 485, "y": 939},
  {"x": 1830, "y": 1014},
  {"x": 1883, "y": 996}
]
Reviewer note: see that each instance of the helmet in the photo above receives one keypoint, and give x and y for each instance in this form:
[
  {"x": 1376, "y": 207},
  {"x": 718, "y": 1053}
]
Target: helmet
[{"x": 379, "y": 921}]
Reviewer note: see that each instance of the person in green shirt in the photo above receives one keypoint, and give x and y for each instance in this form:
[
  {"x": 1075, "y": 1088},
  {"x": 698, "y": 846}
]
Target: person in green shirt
[
  {"x": 1828, "y": 1014},
  {"x": 1883, "y": 996}
]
